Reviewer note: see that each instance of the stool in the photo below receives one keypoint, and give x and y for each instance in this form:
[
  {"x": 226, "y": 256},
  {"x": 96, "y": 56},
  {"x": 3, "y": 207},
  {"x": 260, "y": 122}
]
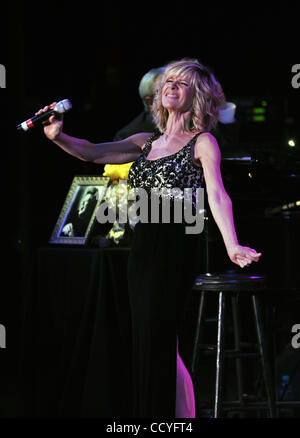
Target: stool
[{"x": 232, "y": 284}]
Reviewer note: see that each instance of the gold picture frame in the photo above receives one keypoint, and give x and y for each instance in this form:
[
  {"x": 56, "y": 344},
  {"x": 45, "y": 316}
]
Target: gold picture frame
[{"x": 78, "y": 214}]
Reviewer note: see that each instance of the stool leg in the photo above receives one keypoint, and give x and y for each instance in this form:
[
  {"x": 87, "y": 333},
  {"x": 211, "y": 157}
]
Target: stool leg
[
  {"x": 197, "y": 335},
  {"x": 264, "y": 357},
  {"x": 237, "y": 347},
  {"x": 220, "y": 357}
]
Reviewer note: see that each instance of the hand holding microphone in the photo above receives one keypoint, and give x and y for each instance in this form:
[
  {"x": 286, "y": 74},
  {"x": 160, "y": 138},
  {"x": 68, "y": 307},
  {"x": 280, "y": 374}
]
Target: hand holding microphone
[
  {"x": 53, "y": 126},
  {"x": 51, "y": 116}
]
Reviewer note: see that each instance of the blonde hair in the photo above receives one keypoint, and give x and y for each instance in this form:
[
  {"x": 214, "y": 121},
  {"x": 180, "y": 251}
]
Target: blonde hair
[{"x": 208, "y": 95}]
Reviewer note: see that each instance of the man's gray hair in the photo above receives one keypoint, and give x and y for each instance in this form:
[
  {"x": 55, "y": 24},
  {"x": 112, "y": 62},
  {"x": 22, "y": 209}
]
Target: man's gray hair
[{"x": 146, "y": 86}]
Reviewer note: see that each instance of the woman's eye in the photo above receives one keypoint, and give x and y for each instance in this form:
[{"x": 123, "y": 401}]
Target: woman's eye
[{"x": 181, "y": 83}]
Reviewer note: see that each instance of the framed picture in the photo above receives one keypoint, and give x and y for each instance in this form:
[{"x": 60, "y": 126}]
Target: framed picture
[{"x": 78, "y": 214}]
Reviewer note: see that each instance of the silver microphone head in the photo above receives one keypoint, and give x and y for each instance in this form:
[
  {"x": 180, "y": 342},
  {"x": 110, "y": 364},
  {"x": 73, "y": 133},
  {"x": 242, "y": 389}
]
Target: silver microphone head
[{"x": 63, "y": 106}]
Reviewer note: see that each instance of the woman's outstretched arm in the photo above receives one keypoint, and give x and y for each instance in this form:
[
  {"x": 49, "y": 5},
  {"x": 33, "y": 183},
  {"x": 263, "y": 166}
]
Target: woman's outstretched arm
[
  {"x": 208, "y": 152},
  {"x": 117, "y": 152}
]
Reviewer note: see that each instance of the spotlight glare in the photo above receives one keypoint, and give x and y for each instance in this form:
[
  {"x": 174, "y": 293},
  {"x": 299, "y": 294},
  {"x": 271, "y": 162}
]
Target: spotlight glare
[{"x": 291, "y": 142}]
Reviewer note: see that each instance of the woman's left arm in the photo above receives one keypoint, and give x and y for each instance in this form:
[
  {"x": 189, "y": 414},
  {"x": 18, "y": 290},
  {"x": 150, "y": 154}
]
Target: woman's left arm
[{"x": 208, "y": 152}]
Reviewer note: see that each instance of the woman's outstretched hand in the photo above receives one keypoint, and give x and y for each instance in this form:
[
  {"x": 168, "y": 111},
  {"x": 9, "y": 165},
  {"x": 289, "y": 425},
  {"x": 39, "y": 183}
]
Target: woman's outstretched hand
[
  {"x": 242, "y": 255},
  {"x": 53, "y": 127}
]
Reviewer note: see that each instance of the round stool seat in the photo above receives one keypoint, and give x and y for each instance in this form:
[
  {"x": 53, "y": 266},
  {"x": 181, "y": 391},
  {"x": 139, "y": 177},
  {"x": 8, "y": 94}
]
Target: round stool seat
[{"x": 229, "y": 281}]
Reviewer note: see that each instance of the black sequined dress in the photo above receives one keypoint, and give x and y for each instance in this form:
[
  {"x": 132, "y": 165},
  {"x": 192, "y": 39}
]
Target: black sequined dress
[{"x": 161, "y": 270}]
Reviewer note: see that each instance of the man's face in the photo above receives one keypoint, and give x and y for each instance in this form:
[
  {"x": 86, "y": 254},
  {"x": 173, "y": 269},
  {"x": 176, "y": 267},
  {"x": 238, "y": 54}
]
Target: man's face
[
  {"x": 149, "y": 99},
  {"x": 84, "y": 204}
]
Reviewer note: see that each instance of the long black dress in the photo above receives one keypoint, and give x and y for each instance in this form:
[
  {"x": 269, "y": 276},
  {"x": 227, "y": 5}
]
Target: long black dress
[{"x": 161, "y": 270}]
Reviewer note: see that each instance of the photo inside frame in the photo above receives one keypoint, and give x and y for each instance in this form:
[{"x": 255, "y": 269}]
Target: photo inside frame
[
  {"x": 77, "y": 223},
  {"x": 80, "y": 211}
]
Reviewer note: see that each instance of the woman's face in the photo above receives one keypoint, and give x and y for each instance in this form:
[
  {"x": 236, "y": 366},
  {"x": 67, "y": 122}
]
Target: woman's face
[{"x": 177, "y": 94}]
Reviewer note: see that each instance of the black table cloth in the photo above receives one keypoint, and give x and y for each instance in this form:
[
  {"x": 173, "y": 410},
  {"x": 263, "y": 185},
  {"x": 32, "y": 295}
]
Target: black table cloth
[{"x": 76, "y": 329}]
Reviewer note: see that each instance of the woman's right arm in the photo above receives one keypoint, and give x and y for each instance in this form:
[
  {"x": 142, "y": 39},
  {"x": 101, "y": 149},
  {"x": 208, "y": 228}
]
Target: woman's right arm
[{"x": 116, "y": 152}]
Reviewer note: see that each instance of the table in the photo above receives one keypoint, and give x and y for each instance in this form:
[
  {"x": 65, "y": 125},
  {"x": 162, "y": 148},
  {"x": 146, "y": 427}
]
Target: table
[{"x": 76, "y": 328}]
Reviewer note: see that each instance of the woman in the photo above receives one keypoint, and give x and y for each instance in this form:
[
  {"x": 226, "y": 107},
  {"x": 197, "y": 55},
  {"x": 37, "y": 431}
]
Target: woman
[{"x": 162, "y": 260}]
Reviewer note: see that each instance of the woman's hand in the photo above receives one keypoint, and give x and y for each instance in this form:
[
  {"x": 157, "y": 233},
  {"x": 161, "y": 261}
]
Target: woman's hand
[
  {"x": 53, "y": 127},
  {"x": 242, "y": 255}
]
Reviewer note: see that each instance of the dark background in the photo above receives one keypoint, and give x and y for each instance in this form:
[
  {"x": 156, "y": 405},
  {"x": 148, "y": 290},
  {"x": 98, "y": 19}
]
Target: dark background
[{"x": 95, "y": 56}]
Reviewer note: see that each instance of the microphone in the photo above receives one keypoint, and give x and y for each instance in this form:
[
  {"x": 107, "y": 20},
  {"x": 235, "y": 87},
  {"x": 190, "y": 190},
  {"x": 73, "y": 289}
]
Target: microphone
[{"x": 61, "y": 107}]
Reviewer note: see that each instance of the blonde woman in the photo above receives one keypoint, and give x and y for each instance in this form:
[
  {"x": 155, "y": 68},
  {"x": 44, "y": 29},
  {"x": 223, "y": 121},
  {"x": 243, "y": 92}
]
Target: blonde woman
[{"x": 161, "y": 268}]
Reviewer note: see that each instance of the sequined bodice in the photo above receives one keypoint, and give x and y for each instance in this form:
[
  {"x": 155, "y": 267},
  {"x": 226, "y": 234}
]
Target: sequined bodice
[{"x": 172, "y": 171}]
